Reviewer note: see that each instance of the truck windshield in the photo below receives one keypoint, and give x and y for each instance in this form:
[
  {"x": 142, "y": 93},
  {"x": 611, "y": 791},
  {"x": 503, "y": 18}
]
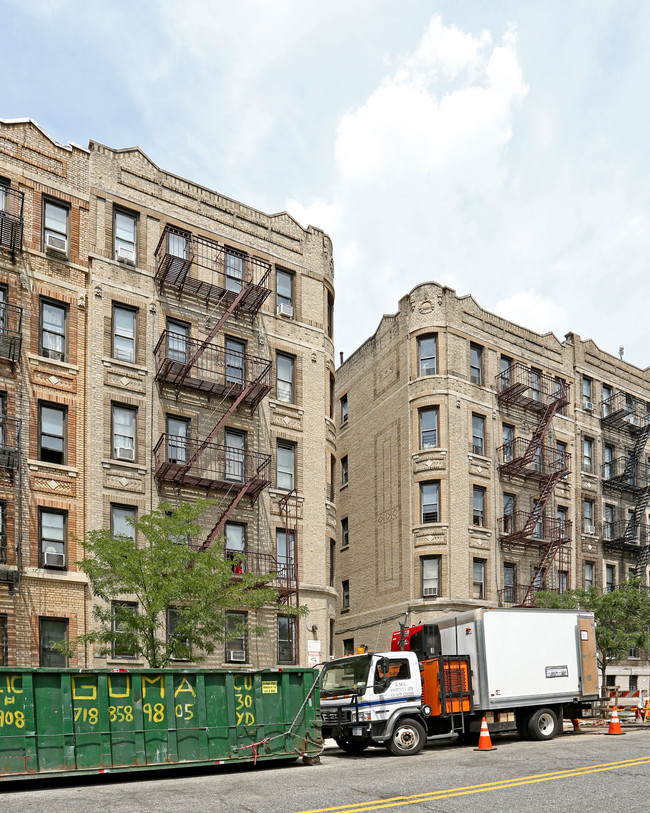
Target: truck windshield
[{"x": 349, "y": 675}]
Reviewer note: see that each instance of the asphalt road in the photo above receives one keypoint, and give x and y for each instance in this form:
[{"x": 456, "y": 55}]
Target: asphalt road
[{"x": 575, "y": 772}]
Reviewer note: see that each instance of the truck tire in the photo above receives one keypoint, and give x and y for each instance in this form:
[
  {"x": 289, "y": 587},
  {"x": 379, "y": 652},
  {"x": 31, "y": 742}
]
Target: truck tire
[
  {"x": 542, "y": 724},
  {"x": 522, "y": 719},
  {"x": 352, "y": 746},
  {"x": 408, "y": 738}
]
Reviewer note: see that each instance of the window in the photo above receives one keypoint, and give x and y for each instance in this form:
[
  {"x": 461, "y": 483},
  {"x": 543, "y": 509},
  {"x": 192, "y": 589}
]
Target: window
[
  {"x": 587, "y": 393},
  {"x": 4, "y": 299},
  {"x": 122, "y": 519},
  {"x": 124, "y": 645},
  {"x": 587, "y": 454},
  {"x": 427, "y": 355},
  {"x": 178, "y": 430},
  {"x": 538, "y": 458},
  {"x": 429, "y": 499},
  {"x": 286, "y": 639},
  {"x": 124, "y": 421},
  {"x": 285, "y": 370},
  {"x": 634, "y": 679},
  {"x": 429, "y": 428},
  {"x": 235, "y": 455},
  {"x": 536, "y": 384},
  {"x": 348, "y": 646},
  {"x": 330, "y": 314},
  {"x": 235, "y": 533},
  {"x": 52, "y": 631},
  {"x": 610, "y": 578},
  {"x": 285, "y": 553},
  {"x": 286, "y": 466},
  {"x": 478, "y": 578},
  {"x": 332, "y": 561},
  {"x": 589, "y": 575},
  {"x": 53, "y": 330},
  {"x": 284, "y": 292},
  {"x": 52, "y": 536},
  {"x": 588, "y": 517},
  {"x": 52, "y": 434},
  {"x": 234, "y": 271},
  {"x": 562, "y": 581},
  {"x": 478, "y": 506},
  {"x": 430, "y": 575},
  {"x": 505, "y": 364},
  {"x": 610, "y": 680},
  {"x": 508, "y": 513},
  {"x": 235, "y": 361},
  {"x": 560, "y": 455},
  {"x": 3, "y": 533},
  {"x": 608, "y": 522},
  {"x": 478, "y": 434},
  {"x": 330, "y": 485},
  {"x": 509, "y": 582},
  {"x": 4, "y": 649},
  {"x": 331, "y": 398},
  {"x": 345, "y": 532},
  {"x": 561, "y": 392},
  {"x": 562, "y": 516},
  {"x": 508, "y": 440},
  {"x": 344, "y": 470},
  {"x": 608, "y": 459},
  {"x": 124, "y": 322},
  {"x": 236, "y": 637},
  {"x": 178, "y": 334},
  {"x": 344, "y": 408},
  {"x": 180, "y": 646},
  {"x": 538, "y": 530},
  {"x": 476, "y": 364},
  {"x": 177, "y": 244},
  {"x": 608, "y": 392},
  {"x": 345, "y": 594},
  {"x": 124, "y": 232},
  {"x": 633, "y": 654},
  {"x": 55, "y": 227}
]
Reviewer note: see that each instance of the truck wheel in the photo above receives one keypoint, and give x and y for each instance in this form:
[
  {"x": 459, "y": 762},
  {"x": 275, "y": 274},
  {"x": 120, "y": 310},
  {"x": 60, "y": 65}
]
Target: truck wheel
[
  {"x": 408, "y": 738},
  {"x": 522, "y": 719},
  {"x": 542, "y": 724},
  {"x": 352, "y": 746}
]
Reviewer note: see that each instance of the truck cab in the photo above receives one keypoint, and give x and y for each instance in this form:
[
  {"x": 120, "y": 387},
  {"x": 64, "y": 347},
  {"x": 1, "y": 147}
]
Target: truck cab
[{"x": 374, "y": 699}]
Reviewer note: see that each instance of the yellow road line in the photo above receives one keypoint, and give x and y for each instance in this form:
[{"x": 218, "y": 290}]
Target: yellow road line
[{"x": 400, "y": 801}]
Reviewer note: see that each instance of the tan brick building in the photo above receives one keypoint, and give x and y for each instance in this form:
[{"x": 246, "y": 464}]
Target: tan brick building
[
  {"x": 479, "y": 461},
  {"x": 209, "y": 372}
]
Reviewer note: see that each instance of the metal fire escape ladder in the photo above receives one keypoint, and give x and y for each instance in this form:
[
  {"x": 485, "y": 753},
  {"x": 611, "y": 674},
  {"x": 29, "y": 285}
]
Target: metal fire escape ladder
[
  {"x": 641, "y": 502},
  {"x": 240, "y": 493}
]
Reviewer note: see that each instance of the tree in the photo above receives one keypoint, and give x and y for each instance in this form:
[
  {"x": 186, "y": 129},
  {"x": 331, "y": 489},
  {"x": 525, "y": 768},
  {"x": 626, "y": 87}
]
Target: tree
[
  {"x": 622, "y": 617},
  {"x": 137, "y": 585}
]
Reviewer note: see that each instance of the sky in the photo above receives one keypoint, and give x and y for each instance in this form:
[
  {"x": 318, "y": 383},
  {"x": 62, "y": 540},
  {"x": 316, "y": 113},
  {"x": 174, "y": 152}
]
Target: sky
[{"x": 496, "y": 146}]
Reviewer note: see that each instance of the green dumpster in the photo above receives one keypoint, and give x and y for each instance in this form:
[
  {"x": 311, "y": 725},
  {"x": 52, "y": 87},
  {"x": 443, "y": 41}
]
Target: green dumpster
[{"x": 59, "y": 721}]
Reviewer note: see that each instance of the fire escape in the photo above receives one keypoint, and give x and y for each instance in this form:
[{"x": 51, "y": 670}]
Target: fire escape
[
  {"x": 540, "y": 465},
  {"x": 11, "y": 316},
  {"x": 229, "y": 284},
  {"x": 628, "y": 477}
]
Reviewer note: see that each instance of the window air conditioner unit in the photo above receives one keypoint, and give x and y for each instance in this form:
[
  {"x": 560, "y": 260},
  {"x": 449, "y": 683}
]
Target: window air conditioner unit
[
  {"x": 52, "y": 559},
  {"x": 590, "y": 529},
  {"x": 589, "y": 406},
  {"x": 284, "y": 310},
  {"x": 54, "y": 242},
  {"x": 126, "y": 255},
  {"x": 124, "y": 453},
  {"x": 430, "y": 591},
  {"x": 238, "y": 655}
]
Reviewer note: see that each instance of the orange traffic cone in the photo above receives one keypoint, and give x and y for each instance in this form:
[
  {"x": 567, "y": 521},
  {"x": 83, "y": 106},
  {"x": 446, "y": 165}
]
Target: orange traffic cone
[
  {"x": 614, "y": 724},
  {"x": 484, "y": 741}
]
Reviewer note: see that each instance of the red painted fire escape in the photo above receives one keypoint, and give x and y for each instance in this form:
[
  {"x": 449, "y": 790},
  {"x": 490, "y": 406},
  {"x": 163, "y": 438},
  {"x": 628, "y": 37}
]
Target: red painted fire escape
[
  {"x": 229, "y": 283},
  {"x": 534, "y": 462}
]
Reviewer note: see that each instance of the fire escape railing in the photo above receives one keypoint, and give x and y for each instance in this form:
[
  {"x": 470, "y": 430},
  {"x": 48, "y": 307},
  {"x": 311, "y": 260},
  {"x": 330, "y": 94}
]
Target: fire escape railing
[
  {"x": 264, "y": 564},
  {"x": 11, "y": 331},
  {"x": 625, "y": 413},
  {"x": 9, "y": 451},
  {"x": 529, "y": 527},
  {"x": 220, "y": 372},
  {"x": 625, "y": 535},
  {"x": 187, "y": 263},
  {"x": 543, "y": 395},
  {"x": 11, "y": 219}
]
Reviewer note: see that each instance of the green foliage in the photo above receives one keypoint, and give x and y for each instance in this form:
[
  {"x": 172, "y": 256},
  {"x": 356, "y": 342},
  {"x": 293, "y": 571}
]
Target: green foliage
[
  {"x": 622, "y": 616},
  {"x": 165, "y": 572}
]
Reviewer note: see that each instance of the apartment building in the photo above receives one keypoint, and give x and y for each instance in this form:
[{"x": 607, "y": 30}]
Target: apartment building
[
  {"x": 197, "y": 334},
  {"x": 479, "y": 462},
  {"x": 44, "y": 197}
]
